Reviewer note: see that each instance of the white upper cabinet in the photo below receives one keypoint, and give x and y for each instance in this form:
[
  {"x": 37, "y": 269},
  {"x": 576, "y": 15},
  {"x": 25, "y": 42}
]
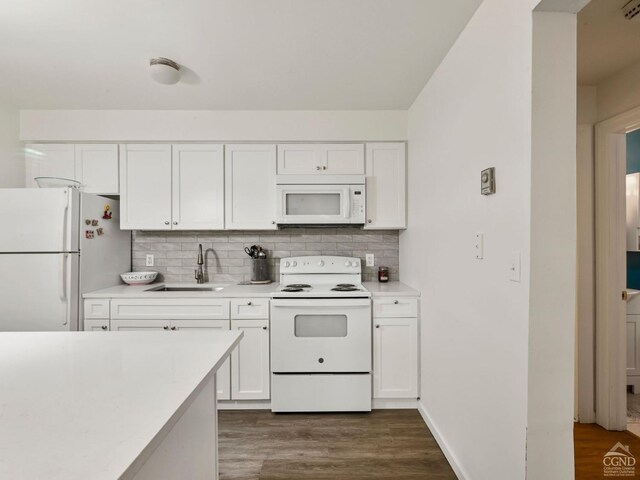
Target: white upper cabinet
[
  {"x": 386, "y": 186},
  {"x": 250, "y": 187},
  {"x": 49, "y": 160},
  {"x": 198, "y": 187},
  {"x": 333, "y": 159},
  {"x": 96, "y": 167},
  {"x": 145, "y": 187}
]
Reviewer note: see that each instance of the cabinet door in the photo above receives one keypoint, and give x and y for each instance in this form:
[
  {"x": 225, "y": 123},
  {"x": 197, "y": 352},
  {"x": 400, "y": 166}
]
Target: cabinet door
[
  {"x": 198, "y": 187},
  {"x": 395, "y": 358},
  {"x": 250, "y": 187},
  {"x": 129, "y": 325},
  {"x": 386, "y": 186},
  {"x": 343, "y": 159},
  {"x": 300, "y": 159},
  {"x": 145, "y": 187},
  {"x": 223, "y": 377},
  {"x": 97, "y": 168},
  {"x": 250, "y": 361},
  {"x": 96, "y": 325},
  {"x": 49, "y": 160},
  {"x": 633, "y": 344}
]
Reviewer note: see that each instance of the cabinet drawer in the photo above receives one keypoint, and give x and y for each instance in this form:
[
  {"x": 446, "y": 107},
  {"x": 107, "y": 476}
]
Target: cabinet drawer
[
  {"x": 395, "y": 307},
  {"x": 96, "y": 308},
  {"x": 170, "y": 308},
  {"x": 249, "y": 308}
]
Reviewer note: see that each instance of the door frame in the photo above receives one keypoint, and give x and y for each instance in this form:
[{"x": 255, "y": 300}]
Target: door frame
[{"x": 610, "y": 224}]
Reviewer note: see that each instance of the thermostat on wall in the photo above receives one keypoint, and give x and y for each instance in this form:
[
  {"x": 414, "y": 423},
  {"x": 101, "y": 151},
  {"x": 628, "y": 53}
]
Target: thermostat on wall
[{"x": 488, "y": 181}]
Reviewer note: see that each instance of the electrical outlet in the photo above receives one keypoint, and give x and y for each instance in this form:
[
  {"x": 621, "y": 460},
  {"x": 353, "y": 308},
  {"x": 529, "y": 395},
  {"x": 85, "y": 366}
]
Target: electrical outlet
[
  {"x": 370, "y": 260},
  {"x": 479, "y": 245},
  {"x": 149, "y": 262}
]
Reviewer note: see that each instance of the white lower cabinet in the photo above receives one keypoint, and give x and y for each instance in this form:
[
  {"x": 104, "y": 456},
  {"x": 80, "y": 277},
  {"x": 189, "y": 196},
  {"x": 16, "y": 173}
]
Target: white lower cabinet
[
  {"x": 96, "y": 325},
  {"x": 395, "y": 357},
  {"x": 250, "y": 375}
]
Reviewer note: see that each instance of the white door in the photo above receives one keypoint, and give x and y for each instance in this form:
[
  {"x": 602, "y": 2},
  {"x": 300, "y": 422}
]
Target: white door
[
  {"x": 96, "y": 325},
  {"x": 343, "y": 159},
  {"x": 250, "y": 361},
  {"x": 39, "y": 220},
  {"x": 250, "y": 187},
  {"x": 386, "y": 186},
  {"x": 395, "y": 358},
  {"x": 198, "y": 187},
  {"x": 38, "y": 292},
  {"x": 300, "y": 159},
  {"x": 96, "y": 167},
  {"x": 145, "y": 187},
  {"x": 134, "y": 325},
  {"x": 223, "y": 377},
  {"x": 48, "y": 160}
]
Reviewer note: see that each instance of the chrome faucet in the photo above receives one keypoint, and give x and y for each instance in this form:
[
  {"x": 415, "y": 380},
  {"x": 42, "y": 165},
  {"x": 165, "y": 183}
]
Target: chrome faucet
[{"x": 199, "y": 274}]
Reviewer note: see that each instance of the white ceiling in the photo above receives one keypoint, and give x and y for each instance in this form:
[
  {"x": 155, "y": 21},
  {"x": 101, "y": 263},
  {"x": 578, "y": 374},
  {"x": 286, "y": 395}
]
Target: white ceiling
[
  {"x": 607, "y": 42},
  {"x": 237, "y": 54}
]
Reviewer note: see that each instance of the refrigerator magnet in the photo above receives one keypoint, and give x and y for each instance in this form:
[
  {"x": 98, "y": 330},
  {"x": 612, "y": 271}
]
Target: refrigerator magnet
[
  {"x": 107, "y": 214},
  {"x": 88, "y": 234}
]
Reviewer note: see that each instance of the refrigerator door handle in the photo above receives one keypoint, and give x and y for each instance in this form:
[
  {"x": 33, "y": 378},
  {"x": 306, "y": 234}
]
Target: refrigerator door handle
[
  {"x": 64, "y": 258},
  {"x": 65, "y": 220}
]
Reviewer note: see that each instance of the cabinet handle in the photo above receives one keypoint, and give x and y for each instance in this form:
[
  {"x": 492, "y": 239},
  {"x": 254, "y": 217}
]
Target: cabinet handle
[
  {"x": 249, "y": 303},
  {"x": 396, "y": 302},
  {"x": 173, "y": 328},
  {"x": 104, "y": 327},
  {"x": 167, "y": 222},
  {"x": 175, "y": 223},
  {"x": 377, "y": 326},
  {"x": 324, "y": 167},
  {"x": 166, "y": 327},
  {"x": 273, "y": 222},
  {"x": 264, "y": 328},
  {"x": 370, "y": 221},
  {"x": 318, "y": 167}
]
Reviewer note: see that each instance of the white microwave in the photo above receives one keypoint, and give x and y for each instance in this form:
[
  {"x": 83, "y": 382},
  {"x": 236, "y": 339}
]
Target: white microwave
[{"x": 321, "y": 199}]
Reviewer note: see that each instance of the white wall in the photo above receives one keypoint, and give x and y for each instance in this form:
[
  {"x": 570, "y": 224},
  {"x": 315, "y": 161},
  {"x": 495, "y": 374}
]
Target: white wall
[
  {"x": 552, "y": 309},
  {"x": 11, "y": 158},
  {"x": 619, "y": 93},
  {"x": 476, "y": 112},
  {"x": 203, "y": 125}
]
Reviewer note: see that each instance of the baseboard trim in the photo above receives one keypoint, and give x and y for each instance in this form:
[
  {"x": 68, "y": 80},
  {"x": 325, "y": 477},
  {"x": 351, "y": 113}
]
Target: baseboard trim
[
  {"x": 451, "y": 458},
  {"x": 393, "y": 403}
]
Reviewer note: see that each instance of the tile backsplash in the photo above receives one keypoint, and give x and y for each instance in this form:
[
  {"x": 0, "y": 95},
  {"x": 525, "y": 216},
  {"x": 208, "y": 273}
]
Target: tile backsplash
[{"x": 226, "y": 262}]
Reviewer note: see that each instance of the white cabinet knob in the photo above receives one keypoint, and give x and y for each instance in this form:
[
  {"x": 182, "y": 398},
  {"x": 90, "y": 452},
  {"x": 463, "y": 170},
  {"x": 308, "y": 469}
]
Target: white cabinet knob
[
  {"x": 167, "y": 222},
  {"x": 318, "y": 167},
  {"x": 249, "y": 303},
  {"x": 273, "y": 222},
  {"x": 396, "y": 302},
  {"x": 324, "y": 167},
  {"x": 166, "y": 327},
  {"x": 175, "y": 223},
  {"x": 104, "y": 327},
  {"x": 370, "y": 221}
]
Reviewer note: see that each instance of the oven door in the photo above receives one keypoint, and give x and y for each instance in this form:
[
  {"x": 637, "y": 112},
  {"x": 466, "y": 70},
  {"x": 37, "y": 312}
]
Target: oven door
[
  {"x": 321, "y": 335},
  {"x": 305, "y": 204}
]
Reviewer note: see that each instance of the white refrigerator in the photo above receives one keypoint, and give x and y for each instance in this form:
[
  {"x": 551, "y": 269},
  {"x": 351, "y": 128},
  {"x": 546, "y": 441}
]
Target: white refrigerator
[{"x": 55, "y": 245}]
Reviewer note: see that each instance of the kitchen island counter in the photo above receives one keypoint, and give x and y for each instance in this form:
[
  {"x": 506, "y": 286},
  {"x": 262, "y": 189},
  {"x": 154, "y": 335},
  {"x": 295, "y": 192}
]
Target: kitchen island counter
[{"x": 110, "y": 405}]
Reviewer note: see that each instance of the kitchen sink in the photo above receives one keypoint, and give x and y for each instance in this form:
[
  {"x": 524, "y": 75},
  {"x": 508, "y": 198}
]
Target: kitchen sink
[{"x": 184, "y": 288}]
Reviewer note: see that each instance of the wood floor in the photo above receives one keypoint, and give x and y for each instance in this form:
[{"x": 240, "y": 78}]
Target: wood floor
[
  {"x": 381, "y": 445},
  {"x": 591, "y": 442}
]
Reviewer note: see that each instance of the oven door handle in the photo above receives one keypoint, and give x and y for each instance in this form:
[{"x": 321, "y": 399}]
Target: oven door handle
[{"x": 322, "y": 303}]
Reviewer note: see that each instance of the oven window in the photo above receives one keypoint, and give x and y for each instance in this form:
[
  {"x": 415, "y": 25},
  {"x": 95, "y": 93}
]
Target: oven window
[
  {"x": 313, "y": 203},
  {"x": 320, "y": 326}
]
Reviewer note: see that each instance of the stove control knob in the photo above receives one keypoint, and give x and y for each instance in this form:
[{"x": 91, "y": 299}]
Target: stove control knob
[
  {"x": 321, "y": 263},
  {"x": 294, "y": 264},
  {"x": 286, "y": 264},
  {"x": 347, "y": 263},
  {"x": 354, "y": 263}
]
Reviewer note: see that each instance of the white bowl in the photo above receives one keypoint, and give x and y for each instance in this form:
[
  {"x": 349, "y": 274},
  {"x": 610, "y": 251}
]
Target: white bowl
[
  {"x": 56, "y": 182},
  {"x": 138, "y": 278}
]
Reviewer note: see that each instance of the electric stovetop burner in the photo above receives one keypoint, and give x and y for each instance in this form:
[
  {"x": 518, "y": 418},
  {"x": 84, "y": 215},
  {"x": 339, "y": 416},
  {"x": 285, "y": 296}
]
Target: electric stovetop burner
[
  {"x": 340, "y": 288},
  {"x": 299, "y": 286},
  {"x": 345, "y": 285},
  {"x": 291, "y": 289}
]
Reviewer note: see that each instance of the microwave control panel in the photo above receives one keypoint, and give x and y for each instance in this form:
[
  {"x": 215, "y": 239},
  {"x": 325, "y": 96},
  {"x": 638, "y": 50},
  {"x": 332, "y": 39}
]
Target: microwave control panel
[{"x": 357, "y": 203}]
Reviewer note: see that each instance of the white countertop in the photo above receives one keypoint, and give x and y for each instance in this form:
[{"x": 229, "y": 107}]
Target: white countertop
[
  {"x": 83, "y": 405},
  {"x": 229, "y": 291},
  {"x": 390, "y": 289}
]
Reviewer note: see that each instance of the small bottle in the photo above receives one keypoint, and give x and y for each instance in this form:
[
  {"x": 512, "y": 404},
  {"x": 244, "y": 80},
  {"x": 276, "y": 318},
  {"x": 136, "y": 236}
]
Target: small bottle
[{"x": 383, "y": 274}]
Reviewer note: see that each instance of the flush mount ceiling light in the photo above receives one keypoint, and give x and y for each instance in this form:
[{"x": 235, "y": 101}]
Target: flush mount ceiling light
[{"x": 164, "y": 70}]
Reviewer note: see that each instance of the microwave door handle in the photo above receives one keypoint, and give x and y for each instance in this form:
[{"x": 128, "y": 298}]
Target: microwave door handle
[{"x": 347, "y": 212}]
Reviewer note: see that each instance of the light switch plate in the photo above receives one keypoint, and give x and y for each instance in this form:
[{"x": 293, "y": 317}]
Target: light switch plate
[
  {"x": 370, "y": 260},
  {"x": 149, "y": 262},
  {"x": 514, "y": 268},
  {"x": 479, "y": 245}
]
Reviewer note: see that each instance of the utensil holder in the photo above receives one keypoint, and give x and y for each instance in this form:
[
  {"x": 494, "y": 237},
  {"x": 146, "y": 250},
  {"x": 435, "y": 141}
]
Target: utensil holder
[{"x": 259, "y": 270}]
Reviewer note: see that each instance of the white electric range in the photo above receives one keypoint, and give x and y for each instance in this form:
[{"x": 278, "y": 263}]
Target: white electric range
[{"x": 320, "y": 336}]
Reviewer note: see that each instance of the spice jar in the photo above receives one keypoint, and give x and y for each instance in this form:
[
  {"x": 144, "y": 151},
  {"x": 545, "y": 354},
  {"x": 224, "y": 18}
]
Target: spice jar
[{"x": 383, "y": 274}]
